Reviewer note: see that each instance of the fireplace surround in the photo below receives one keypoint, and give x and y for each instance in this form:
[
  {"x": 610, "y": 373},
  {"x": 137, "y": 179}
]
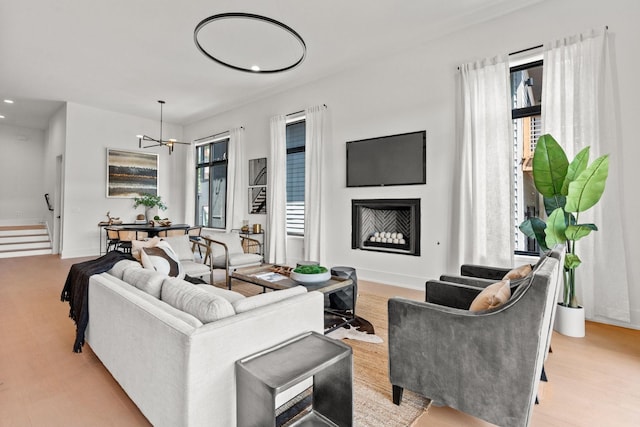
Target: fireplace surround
[{"x": 386, "y": 225}]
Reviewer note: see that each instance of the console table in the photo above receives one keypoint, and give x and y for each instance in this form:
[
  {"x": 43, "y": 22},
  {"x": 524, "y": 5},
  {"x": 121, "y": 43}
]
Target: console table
[{"x": 262, "y": 376}]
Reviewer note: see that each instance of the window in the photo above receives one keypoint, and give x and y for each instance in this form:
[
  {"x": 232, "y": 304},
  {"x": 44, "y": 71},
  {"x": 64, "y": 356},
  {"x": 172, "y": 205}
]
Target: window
[
  {"x": 296, "y": 130},
  {"x": 526, "y": 91},
  {"x": 211, "y": 183}
]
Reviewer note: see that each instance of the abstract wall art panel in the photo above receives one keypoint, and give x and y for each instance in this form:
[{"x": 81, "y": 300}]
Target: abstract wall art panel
[{"x": 131, "y": 173}]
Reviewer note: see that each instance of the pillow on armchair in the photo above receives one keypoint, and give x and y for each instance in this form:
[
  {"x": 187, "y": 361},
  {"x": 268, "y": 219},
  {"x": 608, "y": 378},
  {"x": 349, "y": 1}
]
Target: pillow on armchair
[
  {"x": 492, "y": 296},
  {"x": 232, "y": 240}
]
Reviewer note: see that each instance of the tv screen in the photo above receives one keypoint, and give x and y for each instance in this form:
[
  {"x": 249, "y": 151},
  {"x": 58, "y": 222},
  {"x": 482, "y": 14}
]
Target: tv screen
[{"x": 388, "y": 160}]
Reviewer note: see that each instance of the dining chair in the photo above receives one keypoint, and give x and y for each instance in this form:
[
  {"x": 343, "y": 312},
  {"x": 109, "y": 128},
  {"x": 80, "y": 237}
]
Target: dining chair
[
  {"x": 112, "y": 239},
  {"x": 171, "y": 233},
  {"x": 125, "y": 238}
]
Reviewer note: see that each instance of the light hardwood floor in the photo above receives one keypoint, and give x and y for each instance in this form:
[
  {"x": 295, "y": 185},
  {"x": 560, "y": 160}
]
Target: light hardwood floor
[{"x": 594, "y": 381}]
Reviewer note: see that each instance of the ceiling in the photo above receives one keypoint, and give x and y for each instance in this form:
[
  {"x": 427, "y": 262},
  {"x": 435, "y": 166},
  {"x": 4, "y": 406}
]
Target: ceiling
[{"x": 124, "y": 55}]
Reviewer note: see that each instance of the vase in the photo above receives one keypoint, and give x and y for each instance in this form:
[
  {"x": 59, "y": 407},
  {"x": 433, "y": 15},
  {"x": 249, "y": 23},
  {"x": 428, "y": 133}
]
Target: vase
[
  {"x": 151, "y": 212},
  {"x": 569, "y": 321}
]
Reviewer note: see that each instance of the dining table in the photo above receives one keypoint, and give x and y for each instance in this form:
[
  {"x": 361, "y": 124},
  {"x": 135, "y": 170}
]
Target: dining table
[{"x": 152, "y": 230}]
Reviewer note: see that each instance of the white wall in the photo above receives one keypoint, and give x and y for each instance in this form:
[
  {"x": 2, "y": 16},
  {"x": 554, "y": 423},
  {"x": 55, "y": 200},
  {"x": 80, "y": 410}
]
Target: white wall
[
  {"x": 416, "y": 89},
  {"x": 89, "y": 132},
  {"x": 21, "y": 175},
  {"x": 54, "y": 148}
]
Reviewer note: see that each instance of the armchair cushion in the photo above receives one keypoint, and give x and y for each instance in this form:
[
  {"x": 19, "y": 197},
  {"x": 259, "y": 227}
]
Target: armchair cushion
[
  {"x": 232, "y": 240},
  {"x": 492, "y": 296},
  {"x": 237, "y": 259}
]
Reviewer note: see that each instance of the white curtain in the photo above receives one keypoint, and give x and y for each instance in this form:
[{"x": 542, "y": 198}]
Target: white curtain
[
  {"x": 314, "y": 143},
  {"x": 190, "y": 185},
  {"x": 578, "y": 110},
  {"x": 277, "y": 192},
  {"x": 482, "y": 217},
  {"x": 236, "y": 180}
]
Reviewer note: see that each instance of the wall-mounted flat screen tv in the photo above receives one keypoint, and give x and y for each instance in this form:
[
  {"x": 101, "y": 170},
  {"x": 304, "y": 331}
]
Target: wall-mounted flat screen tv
[{"x": 388, "y": 160}]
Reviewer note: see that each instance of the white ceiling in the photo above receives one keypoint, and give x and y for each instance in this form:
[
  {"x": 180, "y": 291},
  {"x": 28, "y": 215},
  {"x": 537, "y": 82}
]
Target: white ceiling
[{"x": 124, "y": 55}]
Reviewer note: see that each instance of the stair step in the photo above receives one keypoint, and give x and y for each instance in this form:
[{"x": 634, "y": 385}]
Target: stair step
[
  {"x": 25, "y": 252},
  {"x": 21, "y": 246},
  {"x": 23, "y": 232},
  {"x": 20, "y": 238}
]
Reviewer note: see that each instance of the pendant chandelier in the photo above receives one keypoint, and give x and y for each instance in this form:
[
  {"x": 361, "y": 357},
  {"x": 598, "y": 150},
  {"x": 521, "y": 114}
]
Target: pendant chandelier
[{"x": 169, "y": 143}]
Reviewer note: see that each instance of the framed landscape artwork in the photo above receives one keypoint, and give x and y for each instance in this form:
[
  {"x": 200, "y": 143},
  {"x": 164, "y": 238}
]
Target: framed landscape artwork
[{"x": 131, "y": 173}]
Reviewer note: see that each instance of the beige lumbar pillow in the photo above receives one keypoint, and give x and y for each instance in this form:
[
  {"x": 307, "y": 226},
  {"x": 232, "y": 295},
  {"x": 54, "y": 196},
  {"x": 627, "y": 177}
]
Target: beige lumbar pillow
[
  {"x": 518, "y": 272},
  {"x": 492, "y": 296},
  {"x": 137, "y": 245}
]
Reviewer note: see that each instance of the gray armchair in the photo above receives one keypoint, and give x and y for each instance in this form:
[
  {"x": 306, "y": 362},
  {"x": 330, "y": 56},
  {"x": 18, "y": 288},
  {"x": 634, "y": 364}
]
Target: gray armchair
[{"x": 487, "y": 363}]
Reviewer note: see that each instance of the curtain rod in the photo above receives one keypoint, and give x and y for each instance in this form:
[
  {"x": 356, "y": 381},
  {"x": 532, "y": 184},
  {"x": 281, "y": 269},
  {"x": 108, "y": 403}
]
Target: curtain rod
[
  {"x": 213, "y": 136},
  {"x": 302, "y": 111}
]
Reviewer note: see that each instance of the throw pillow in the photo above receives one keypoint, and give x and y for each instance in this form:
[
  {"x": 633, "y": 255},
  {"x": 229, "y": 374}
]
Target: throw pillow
[
  {"x": 518, "y": 272},
  {"x": 492, "y": 296},
  {"x": 232, "y": 240},
  {"x": 201, "y": 304},
  {"x": 261, "y": 300},
  {"x": 162, "y": 259},
  {"x": 181, "y": 246},
  {"x": 137, "y": 245}
]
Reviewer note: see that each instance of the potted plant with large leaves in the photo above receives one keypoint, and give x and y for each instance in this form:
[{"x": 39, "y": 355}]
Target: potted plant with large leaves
[
  {"x": 568, "y": 189},
  {"x": 151, "y": 203}
]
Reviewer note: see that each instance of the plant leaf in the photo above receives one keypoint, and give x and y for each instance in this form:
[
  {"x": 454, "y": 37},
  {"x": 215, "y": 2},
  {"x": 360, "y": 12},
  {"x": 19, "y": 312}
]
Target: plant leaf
[
  {"x": 534, "y": 228},
  {"x": 587, "y": 189},
  {"x": 553, "y": 203},
  {"x": 571, "y": 261},
  {"x": 556, "y": 226},
  {"x": 577, "y": 232},
  {"x": 549, "y": 166},
  {"x": 576, "y": 167}
]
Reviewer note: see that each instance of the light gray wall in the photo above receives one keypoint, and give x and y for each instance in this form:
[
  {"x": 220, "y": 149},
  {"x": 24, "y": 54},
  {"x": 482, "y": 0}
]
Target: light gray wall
[
  {"x": 416, "y": 89},
  {"x": 89, "y": 132},
  {"x": 21, "y": 175}
]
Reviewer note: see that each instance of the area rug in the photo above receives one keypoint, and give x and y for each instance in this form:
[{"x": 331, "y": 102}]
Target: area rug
[
  {"x": 354, "y": 333},
  {"x": 373, "y": 405}
]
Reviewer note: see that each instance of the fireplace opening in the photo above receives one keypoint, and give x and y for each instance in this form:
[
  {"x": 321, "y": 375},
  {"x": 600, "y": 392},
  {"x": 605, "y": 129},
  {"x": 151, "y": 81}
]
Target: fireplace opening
[{"x": 386, "y": 225}]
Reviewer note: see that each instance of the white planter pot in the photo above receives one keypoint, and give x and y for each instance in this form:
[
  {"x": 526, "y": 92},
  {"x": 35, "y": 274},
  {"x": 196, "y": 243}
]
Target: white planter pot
[
  {"x": 151, "y": 212},
  {"x": 569, "y": 321}
]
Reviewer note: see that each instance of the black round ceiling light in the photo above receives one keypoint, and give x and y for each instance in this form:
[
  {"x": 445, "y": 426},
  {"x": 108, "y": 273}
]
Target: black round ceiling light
[{"x": 249, "y": 42}]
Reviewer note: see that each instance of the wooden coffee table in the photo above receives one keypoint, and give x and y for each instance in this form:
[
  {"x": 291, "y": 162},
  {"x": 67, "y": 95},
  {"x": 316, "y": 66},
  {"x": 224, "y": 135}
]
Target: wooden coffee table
[{"x": 274, "y": 277}]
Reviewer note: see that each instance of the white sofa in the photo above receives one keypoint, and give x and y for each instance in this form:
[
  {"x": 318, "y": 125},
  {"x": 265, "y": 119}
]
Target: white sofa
[{"x": 178, "y": 370}]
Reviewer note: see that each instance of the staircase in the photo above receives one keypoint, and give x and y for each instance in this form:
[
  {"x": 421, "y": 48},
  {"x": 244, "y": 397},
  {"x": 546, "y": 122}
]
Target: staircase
[{"x": 24, "y": 240}]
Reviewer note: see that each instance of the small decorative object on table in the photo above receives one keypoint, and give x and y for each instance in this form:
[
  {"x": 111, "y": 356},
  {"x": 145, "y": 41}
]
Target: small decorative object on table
[{"x": 311, "y": 274}]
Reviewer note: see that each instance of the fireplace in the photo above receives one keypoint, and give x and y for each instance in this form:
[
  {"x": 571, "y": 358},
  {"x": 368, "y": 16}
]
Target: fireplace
[{"x": 386, "y": 225}]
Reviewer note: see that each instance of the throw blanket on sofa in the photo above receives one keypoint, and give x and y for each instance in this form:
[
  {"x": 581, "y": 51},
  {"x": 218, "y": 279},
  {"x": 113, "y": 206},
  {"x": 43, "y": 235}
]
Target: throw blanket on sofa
[{"x": 76, "y": 290}]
